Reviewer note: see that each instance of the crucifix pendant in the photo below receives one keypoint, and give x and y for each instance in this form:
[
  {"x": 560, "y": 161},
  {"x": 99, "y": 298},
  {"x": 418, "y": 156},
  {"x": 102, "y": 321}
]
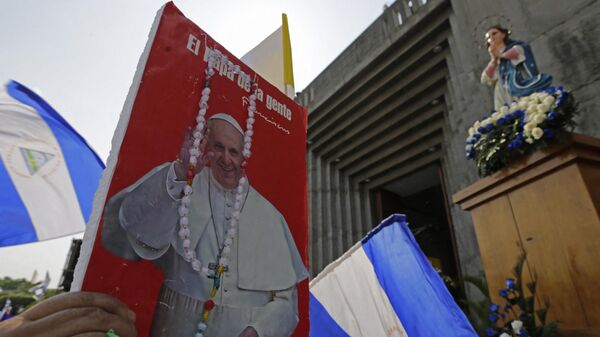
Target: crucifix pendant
[
  {"x": 218, "y": 270},
  {"x": 214, "y": 266},
  {"x": 216, "y": 284}
]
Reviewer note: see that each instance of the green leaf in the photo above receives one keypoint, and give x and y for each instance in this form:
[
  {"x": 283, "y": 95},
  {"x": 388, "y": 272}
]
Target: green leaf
[{"x": 541, "y": 315}]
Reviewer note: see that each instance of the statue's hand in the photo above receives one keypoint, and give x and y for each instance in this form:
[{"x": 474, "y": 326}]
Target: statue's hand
[
  {"x": 182, "y": 163},
  {"x": 494, "y": 54}
]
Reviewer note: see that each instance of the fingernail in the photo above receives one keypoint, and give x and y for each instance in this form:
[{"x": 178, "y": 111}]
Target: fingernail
[{"x": 131, "y": 315}]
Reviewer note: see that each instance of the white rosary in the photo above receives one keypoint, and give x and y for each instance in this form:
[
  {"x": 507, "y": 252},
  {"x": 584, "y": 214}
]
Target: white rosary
[{"x": 195, "y": 151}]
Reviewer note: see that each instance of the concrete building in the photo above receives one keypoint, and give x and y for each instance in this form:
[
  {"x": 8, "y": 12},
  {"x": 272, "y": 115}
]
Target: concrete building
[{"x": 388, "y": 118}]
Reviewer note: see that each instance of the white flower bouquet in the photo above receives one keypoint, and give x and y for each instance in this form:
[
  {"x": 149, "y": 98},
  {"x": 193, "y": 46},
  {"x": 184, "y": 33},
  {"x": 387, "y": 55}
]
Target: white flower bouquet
[{"x": 526, "y": 125}]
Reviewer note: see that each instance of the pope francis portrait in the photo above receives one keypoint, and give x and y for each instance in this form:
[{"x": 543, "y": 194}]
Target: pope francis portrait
[{"x": 256, "y": 293}]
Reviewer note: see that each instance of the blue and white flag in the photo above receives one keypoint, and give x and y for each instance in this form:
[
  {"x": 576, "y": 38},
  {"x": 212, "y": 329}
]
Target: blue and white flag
[
  {"x": 48, "y": 173},
  {"x": 6, "y": 311},
  {"x": 384, "y": 286},
  {"x": 39, "y": 290}
]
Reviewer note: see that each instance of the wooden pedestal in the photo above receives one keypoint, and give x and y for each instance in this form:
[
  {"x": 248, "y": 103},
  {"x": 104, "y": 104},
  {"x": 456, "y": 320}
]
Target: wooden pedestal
[{"x": 548, "y": 203}]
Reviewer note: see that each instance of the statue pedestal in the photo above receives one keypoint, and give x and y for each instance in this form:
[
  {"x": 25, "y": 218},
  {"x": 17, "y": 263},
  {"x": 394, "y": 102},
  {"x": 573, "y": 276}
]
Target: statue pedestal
[{"x": 548, "y": 203}]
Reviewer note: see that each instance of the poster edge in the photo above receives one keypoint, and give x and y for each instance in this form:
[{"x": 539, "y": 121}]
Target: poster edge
[{"x": 90, "y": 234}]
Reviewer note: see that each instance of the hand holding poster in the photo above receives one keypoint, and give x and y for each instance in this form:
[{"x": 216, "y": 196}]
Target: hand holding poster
[{"x": 200, "y": 225}]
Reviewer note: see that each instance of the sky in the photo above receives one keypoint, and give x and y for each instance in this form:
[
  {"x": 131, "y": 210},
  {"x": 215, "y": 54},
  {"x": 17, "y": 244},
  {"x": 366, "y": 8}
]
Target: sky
[{"x": 81, "y": 56}]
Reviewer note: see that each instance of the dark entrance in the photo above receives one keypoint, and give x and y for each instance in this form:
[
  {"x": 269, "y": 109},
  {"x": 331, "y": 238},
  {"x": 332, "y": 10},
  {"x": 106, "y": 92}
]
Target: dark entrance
[{"x": 420, "y": 195}]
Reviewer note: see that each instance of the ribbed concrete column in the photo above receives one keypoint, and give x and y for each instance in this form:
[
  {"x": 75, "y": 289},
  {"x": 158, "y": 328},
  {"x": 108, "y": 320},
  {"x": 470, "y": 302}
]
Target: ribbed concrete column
[
  {"x": 326, "y": 212},
  {"x": 356, "y": 211},
  {"x": 336, "y": 213},
  {"x": 346, "y": 211},
  {"x": 311, "y": 233},
  {"x": 365, "y": 199},
  {"x": 317, "y": 229}
]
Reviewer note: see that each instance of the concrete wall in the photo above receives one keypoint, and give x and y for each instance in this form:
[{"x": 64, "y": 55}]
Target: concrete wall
[
  {"x": 372, "y": 120},
  {"x": 360, "y": 55},
  {"x": 565, "y": 38}
]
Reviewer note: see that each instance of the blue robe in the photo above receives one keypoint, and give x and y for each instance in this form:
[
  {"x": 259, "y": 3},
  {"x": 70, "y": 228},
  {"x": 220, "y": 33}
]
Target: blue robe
[{"x": 522, "y": 79}]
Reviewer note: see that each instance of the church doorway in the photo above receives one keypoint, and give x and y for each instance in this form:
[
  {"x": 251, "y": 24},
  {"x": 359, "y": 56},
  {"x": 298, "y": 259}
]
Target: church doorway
[{"x": 421, "y": 196}]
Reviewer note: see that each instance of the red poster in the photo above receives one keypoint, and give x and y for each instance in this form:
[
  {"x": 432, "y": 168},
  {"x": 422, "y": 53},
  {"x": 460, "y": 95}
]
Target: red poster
[{"x": 160, "y": 238}]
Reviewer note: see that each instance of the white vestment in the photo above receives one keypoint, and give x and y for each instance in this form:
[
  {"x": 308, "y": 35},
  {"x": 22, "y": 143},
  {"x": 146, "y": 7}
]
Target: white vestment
[{"x": 258, "y": 290}]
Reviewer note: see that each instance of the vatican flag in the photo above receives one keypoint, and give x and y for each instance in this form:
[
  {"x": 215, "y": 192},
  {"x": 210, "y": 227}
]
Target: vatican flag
[{"x": 272, "y": 59}]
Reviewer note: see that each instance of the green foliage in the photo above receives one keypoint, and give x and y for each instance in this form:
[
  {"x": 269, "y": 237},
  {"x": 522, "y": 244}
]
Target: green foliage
[
  {"x": 19, "y": 301},
  {"x": 519, "y": 307},
  {"x": 10, "y": 285},
  {"x": 17, "y": 290},
  {"x": 476, "y": 311}
]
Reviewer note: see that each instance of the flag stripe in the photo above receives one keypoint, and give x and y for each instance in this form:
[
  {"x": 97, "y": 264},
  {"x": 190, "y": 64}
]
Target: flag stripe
[
  {"x": 288, "y": 69},
  {"x": 47, "y": 191},
  {"x": 84, "y": 166},
  {"x": 417, "y": 293},
  {"x": 15, "y": 224},
  {"x": 321, "y": 324},
  {"x": 353, "y": 297}
]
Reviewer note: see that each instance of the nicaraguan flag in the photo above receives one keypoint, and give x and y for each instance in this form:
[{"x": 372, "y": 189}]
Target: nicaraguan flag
[
  {"x": 6, "y": 311},
  {"x": 48, "y": 173},
  {"x": 39, "y": 290},
  {"x": 384, "y": 286}
]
